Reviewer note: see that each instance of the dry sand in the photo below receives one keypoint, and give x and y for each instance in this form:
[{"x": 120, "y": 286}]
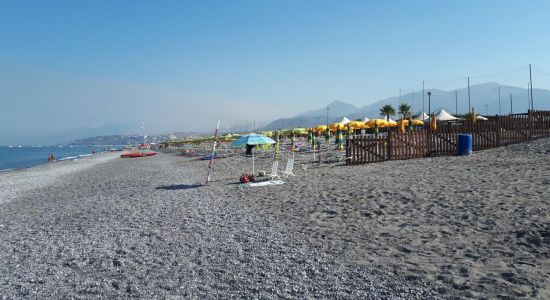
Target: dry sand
[
  {"x": 450, "y": 227},
  {"x": 476, "y": 226}
]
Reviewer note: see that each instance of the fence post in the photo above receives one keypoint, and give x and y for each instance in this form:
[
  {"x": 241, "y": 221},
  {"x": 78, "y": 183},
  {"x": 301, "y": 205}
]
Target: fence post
[
  {"x": 348, "y": 155},
  {"x": 497, "y": 128},
  {"x": 529, "y": 124},
  {"x": 389, "y": 145},
  {"x": 429, "y": 134}
]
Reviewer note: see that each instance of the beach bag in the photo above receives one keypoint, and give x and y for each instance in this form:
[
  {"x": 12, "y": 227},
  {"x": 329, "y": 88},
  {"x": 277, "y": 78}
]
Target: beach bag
[{"x": 245, "y": 178}]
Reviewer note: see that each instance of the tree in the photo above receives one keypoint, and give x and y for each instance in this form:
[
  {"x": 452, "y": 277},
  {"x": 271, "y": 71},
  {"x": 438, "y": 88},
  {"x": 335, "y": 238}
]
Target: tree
[
  {"x": 387, "y": 110},
  {"x": 404, "y": 110}
]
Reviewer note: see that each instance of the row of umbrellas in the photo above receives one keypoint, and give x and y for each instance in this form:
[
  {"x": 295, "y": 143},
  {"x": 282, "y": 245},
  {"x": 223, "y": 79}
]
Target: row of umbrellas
[{"x": 366, "y": 123}]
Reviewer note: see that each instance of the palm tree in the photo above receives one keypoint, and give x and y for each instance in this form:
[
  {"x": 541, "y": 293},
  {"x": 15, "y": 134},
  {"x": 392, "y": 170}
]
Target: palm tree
[
  {"x": 404, "y": 110},
  {"x": 387, "y": 110}
]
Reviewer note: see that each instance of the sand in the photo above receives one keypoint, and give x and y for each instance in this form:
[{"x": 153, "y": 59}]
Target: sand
[{"x": 442, "y": 228}]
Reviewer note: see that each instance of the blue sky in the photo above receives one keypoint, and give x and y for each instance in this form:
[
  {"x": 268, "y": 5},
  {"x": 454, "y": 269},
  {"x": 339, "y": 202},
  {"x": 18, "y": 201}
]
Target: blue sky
[{"x": 181, "y": 64}]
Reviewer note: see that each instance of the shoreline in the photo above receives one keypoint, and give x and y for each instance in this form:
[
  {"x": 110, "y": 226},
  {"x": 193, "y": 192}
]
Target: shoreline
[
  {"x": 16, "y": 158},
  {"x": 17, "y": 181}
]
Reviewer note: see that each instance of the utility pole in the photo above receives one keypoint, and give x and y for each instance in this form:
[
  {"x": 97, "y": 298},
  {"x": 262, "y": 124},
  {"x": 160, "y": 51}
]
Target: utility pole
[
  {"x": 469, "y": 102},
  {"x": 499, "y": 111},
  {"x": 412, "y": 102},
  {"x": 456, "y": 102},
  {"x": 328, "y": 130},
  {"x": 528, "y": 96},
  {"x": 399, "y": 98},
  {"x": 531, "y": 85},
  {"x": 423, "y": 97},
  {"x": 430, "y": 105}
]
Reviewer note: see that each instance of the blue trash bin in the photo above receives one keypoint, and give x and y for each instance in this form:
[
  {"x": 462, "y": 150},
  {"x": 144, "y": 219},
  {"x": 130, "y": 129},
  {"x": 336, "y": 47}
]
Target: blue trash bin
[{"x": 465, "y": 142}]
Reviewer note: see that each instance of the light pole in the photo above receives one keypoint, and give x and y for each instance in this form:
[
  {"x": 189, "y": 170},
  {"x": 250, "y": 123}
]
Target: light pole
[
  {"x": 327, "y": 137},
  {"x": 430, "y": 105},
  {"x": 429, "y": 109},
  {"x": 531, "y": 86},
  {"x": 456, "y": 102},
  {"x": 469, "y": 103}
]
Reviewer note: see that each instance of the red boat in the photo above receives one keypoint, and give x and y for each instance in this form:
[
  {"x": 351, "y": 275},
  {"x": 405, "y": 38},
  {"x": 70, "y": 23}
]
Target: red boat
[{"x": 137, "y": 154}]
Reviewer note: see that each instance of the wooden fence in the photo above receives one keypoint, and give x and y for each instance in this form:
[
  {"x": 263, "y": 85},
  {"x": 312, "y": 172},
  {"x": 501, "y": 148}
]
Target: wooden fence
[{"x": 423, "y": 141}]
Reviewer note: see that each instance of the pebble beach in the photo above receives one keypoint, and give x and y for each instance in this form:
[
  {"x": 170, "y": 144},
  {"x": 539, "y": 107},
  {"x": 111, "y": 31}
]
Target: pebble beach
[{"x": 434, "y": 228}]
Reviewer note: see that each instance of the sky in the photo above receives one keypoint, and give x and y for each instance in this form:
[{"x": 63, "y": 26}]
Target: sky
[{"x": 181, "y": 65}]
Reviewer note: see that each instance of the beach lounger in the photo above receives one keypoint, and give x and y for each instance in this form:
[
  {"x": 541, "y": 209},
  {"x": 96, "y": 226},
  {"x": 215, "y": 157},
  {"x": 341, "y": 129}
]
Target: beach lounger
[
  {"x": 274, "y": 170},
  {"x": 265, "y": 183},
  {"x": 289, "y": 168}
]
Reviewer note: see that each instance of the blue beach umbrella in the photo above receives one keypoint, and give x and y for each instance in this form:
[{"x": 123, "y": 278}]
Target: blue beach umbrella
[{"x": 252, "y": 139}]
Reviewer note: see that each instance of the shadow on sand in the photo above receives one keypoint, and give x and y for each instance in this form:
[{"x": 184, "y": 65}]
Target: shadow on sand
[{"x": 179, "y": 187}]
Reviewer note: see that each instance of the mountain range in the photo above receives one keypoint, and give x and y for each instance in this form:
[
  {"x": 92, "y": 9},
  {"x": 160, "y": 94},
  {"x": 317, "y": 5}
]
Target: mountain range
[{"x": 484, "y": 98}]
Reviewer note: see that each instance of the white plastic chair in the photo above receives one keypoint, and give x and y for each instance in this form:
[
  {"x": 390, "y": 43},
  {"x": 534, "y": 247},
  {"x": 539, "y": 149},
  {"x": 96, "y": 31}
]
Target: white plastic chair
[
  {"x": 289, "y": 168},
  {"x": 274, "y": 170}
]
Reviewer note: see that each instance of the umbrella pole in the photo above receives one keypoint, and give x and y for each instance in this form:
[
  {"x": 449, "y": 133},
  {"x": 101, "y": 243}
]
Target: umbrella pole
[
  {"x": 253, "y": 171},
  {"x": 213, "y": 151}
]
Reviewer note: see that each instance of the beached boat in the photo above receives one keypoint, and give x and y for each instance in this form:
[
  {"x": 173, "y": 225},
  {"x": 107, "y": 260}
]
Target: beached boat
[
  {"x": 137, "y": 154},
  {"x": 142, "y": 149}
]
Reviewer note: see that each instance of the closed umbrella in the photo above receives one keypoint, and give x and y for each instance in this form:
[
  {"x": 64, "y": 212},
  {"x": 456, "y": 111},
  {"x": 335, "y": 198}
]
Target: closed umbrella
[{"x": 252, "y": 139}]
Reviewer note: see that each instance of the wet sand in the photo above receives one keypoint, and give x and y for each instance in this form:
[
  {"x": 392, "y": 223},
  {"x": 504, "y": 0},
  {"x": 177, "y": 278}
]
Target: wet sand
[{"x": 449, "y": 227}]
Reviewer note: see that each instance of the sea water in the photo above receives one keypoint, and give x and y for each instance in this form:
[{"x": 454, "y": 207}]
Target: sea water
[{"x": 18, "y": 157}]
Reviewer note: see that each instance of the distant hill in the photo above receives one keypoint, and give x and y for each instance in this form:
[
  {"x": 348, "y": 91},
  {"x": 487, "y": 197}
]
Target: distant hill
[
  {"x": 483, "y": 98},
  {"x": 336, "y": 108},
  {"x": 120, "y": 139},
  {"x": 129, "y": 139}
]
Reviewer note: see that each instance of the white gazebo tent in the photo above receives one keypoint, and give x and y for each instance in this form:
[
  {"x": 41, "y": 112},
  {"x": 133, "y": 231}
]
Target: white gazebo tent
[
  {"x": 365, "y": 120},
  {"x": 421, "y": 116},
  {"x": 482, "y": 118},
  {"x": 344, "y": 120},
  {"x": 443, "y": 115}
]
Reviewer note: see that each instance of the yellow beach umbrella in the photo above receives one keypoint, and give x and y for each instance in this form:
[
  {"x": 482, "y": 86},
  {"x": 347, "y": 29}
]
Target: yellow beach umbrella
[
  {"x": 415, "y": 122},
  {"x": 267, "y": 133},
  {"x": 356, "y": 124},
  {"x": 337, "y": 126},
  {"x": 380, "y": 122},
  {"x": 434, "y": 123},
  {"x": 320, "y": 128},
  {"x": 418, "y": 122},
  {"x": 299, "y": 131},
  {"x": 402, "y": 125}
]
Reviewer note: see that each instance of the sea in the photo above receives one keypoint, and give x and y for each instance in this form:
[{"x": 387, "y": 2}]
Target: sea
[{"x": 19, "y": 157}]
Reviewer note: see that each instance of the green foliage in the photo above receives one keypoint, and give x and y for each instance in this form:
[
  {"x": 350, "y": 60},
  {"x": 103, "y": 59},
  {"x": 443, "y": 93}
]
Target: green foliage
[
  {"x": 387, "y": 110},
  {"x": 404, "y": 110}
]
